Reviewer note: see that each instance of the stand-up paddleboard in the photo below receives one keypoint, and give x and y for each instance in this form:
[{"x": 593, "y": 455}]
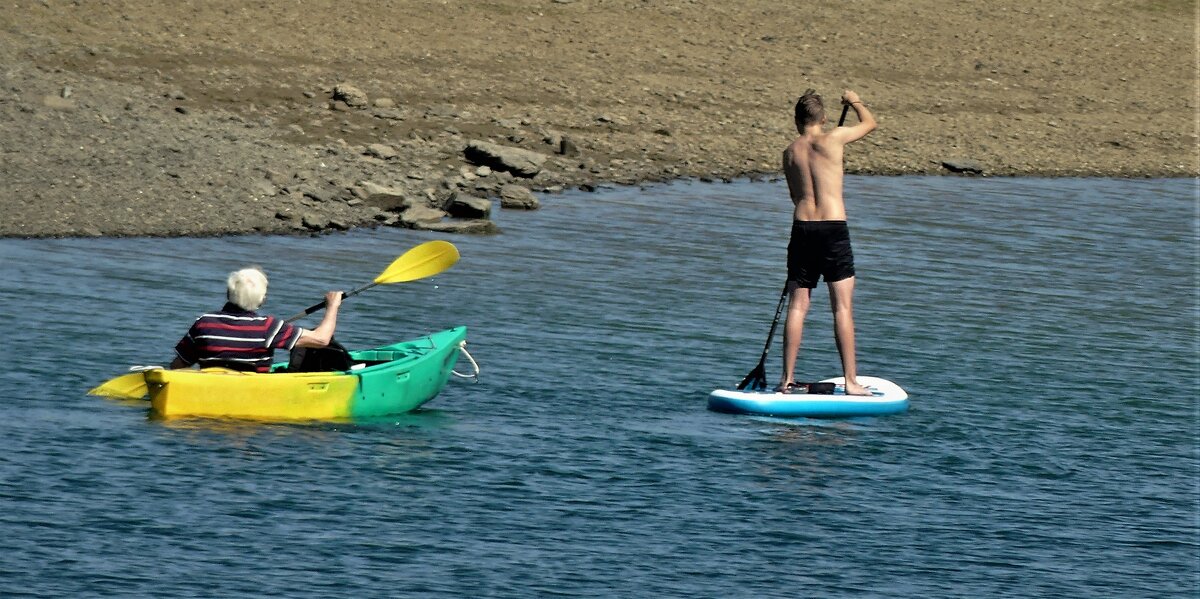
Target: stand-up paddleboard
[{"x": 886, "y": 398}]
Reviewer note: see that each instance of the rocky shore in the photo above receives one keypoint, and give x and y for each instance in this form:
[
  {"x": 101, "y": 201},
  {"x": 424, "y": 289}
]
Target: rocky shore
[{"x": 121, "y": 118}]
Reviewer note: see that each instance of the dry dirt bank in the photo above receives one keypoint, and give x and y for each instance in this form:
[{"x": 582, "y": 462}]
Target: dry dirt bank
[{"x": 153, "y": 117}]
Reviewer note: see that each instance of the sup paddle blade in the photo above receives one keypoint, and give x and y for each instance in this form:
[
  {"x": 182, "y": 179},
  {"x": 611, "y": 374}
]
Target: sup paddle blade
[
  {"x": 756, "y": 380},
  {"x": 126, "y": 386}
]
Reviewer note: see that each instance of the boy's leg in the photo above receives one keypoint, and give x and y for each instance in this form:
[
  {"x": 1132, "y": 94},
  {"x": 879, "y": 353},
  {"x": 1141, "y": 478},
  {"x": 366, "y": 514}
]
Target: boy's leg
[
  {"x": 799, "y": 299},
  {"x": 841, "y": 299}
]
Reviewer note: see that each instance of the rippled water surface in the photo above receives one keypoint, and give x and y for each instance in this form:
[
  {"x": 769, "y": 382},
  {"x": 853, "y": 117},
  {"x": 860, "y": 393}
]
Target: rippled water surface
[{"x": 1045, "y": 329}]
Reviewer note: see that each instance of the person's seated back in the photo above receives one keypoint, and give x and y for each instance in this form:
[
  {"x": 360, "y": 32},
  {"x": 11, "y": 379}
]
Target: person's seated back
[{"x": 238, "y": 338}]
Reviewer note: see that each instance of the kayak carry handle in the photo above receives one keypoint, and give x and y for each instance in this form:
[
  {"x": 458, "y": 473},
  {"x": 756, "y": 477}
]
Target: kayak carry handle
[{"x": 462, "y": 347}]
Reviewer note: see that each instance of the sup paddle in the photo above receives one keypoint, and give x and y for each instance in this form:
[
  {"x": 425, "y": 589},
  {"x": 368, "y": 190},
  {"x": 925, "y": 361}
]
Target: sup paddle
[
  {"x": 425, "y": 260},
  {"x": 842, "y": 119},
  {"x": 757, "y": 379}
]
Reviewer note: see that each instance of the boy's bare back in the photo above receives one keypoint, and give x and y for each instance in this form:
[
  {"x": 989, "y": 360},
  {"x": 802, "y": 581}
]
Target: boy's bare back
[{"x": 813, "y": 164}]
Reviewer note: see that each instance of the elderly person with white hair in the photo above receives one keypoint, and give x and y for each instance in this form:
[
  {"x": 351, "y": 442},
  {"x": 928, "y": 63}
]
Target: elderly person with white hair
[{"x": 238, "y": 338}]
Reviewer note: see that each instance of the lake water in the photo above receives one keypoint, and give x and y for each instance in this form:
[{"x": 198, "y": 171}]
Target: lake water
[{"x": 1046, "y": 331}]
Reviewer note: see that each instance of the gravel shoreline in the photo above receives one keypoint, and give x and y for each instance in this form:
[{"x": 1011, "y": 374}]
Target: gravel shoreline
[{"x": 155, "y": 119}]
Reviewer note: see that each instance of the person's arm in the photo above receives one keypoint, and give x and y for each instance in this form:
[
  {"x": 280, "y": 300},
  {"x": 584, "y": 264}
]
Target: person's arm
[
  {"x": 320, "y": 336},
  {"x": 866, "y": 120}
]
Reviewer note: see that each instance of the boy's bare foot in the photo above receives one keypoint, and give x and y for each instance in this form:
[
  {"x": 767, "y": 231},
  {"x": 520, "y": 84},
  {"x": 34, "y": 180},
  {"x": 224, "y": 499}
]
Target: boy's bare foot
[
  {"x": 785, "y": 387},
  {"x": 853, "y": 388}
]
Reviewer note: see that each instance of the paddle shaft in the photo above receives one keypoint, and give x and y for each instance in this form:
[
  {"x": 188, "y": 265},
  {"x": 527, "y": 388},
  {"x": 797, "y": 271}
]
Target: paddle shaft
[
  {"x": 774, "y": 323},
  {"x": 758, "y": 376},
  {"x": 845, "y": 109},
  {"x": 321, "y": 306}
]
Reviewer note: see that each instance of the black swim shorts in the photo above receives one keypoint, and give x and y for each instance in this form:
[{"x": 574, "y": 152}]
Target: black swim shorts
[{"x": 819, "y": 249}]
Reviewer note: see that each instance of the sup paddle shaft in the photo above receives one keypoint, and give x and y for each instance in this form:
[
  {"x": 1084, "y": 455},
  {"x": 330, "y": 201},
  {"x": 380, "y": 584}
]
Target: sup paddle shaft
[
  {"x": 774, "y": 323},
  {"x": 758, "y": 377},
  {"x": 842, "y": 119}
]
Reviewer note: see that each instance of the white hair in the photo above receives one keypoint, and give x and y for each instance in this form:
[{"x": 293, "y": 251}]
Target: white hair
[{"x": 247, "y": 287}]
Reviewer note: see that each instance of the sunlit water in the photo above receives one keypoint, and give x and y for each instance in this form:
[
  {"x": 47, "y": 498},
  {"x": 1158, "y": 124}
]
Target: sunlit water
[{"x": 1045, "y": 329}]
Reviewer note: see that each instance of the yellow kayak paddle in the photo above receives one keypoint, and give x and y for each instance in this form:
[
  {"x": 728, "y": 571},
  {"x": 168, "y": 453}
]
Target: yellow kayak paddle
[
  {"x": 425, "y": 260},
  {"x": 126, "y": 386}
]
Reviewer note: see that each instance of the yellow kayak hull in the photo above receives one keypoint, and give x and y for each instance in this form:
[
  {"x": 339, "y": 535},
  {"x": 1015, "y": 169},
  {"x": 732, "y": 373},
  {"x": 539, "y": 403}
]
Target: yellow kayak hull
[
  {"x": 222, "y": 392},
  {"x": 392, "y": 379}
]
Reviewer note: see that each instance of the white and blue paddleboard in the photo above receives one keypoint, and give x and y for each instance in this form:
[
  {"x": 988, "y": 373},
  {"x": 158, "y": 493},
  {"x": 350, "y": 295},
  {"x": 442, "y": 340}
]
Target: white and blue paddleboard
[{"x": 886, "y": 398}]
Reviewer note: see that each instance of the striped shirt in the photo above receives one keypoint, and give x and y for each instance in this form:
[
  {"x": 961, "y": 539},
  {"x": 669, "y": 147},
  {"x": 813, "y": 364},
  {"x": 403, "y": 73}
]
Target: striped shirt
[{"x": 236, "y": 339}]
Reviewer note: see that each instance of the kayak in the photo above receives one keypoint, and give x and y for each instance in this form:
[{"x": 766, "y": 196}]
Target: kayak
[
  {"x": 391, "y": 379},
  {"x": 886, "y": 398}
]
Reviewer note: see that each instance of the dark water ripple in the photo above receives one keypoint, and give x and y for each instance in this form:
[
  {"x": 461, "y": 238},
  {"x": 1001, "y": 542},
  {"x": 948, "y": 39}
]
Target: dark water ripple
[{"x": 1046, "y": 329}]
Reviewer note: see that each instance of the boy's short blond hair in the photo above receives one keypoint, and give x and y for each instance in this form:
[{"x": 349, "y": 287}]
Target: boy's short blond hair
[{"x": 810, "y": 109}]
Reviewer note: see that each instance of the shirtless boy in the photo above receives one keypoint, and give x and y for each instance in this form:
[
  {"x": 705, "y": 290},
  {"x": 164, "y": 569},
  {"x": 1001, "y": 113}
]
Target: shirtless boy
[{"x": 820, "y": 242}]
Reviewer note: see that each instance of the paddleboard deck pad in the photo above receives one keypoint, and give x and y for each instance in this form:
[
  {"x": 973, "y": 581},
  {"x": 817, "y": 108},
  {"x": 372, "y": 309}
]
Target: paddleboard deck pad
[{"x": 886, "y": 398}]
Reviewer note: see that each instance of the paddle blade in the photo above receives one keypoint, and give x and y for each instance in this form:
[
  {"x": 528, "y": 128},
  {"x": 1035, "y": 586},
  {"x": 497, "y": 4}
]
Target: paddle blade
[
  {"x": 425, "y": 260},
  {"x": 128, "y": 386},
  {"x": 756, "y": 380}
]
